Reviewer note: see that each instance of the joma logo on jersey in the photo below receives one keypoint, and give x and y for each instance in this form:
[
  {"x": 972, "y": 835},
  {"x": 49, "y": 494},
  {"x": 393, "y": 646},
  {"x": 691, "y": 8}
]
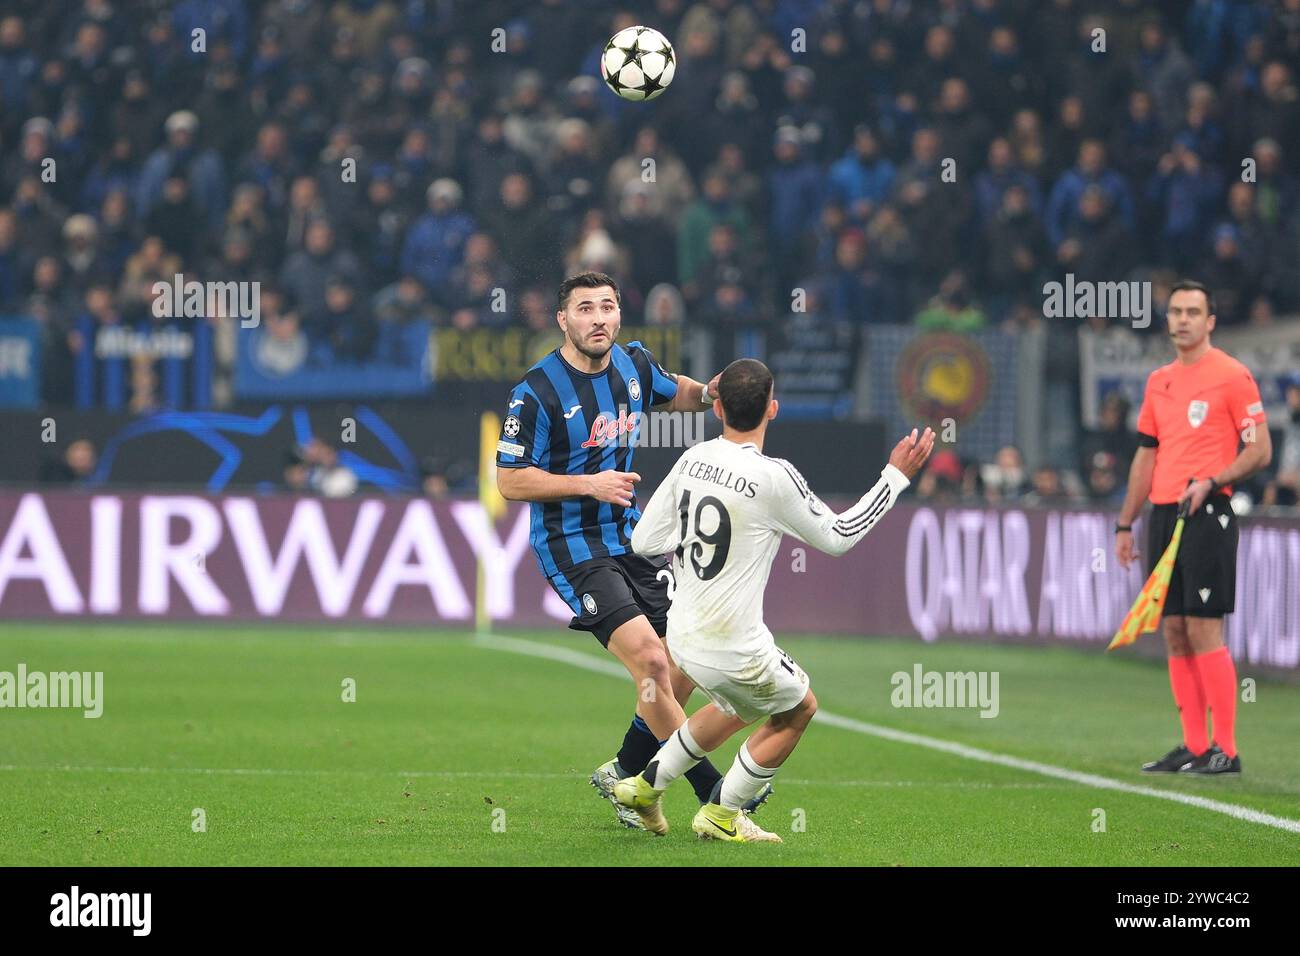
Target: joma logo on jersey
[{"x": 606, "y": 428}]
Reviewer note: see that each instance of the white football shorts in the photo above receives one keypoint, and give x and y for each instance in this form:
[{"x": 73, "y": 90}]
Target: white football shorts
[{"x": 754, "y": 687}]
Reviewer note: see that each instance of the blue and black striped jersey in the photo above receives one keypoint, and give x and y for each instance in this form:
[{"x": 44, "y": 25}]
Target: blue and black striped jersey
[{"x": 569, "y": 422}]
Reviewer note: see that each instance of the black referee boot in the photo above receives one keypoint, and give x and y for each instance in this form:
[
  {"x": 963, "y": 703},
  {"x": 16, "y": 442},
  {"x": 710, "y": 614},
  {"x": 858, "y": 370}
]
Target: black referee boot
[
  {"x": 1214, "y": 761},
  {"x": 1171, "y": 762}
]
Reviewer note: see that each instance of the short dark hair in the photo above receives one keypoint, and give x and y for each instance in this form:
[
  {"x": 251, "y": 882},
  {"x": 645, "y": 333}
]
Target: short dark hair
[
  {"x": 745, "y": 388},
  {"x": 587, "y": 280},
  {"x": 1191, "y": 285}
]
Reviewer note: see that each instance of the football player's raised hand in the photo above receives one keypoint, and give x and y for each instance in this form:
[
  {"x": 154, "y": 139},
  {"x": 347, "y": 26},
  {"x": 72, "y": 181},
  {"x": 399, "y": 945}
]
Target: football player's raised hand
[
  {"x": 712, "y": 387},
  {"x": 910, "y": 454},
  {"x": 612, "y": 487}
]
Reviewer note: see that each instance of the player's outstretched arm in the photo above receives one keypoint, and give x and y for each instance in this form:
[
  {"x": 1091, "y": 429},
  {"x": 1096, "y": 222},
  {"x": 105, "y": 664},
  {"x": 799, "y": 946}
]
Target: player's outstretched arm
[
  {"x": 688, "y": 397},
  {"x": 805, "y": 516},
  {"x": 537, "y": 484},
  {"x": 658, "y": 531},
  {"x": 675, "y": 393}
]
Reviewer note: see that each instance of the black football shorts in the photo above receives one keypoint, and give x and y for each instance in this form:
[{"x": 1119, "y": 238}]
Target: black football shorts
[
  {"x": 1204, "y": 583},
  {"x": 606, "y": 593}
]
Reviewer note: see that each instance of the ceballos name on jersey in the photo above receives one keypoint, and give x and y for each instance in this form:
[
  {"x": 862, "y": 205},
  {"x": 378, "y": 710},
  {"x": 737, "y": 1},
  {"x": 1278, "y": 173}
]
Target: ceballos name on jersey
[{"x": 717, "y": 475}]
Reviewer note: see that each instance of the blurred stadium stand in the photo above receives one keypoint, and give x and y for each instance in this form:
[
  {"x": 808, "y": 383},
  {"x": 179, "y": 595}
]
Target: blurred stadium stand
[{"x": 407, "y": 201}]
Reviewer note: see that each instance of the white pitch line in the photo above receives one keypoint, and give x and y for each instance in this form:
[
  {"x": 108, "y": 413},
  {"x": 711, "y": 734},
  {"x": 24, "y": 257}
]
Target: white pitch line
[
  {"x": 499, "y": 642},
  {"x": 578, "y": 659}
]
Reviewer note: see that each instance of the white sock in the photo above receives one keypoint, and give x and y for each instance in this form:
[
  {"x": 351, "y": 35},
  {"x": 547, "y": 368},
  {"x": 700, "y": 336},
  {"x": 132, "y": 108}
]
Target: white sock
[
  {"x": 678, "y": 754},
  {"x": 745, "y": 780}
]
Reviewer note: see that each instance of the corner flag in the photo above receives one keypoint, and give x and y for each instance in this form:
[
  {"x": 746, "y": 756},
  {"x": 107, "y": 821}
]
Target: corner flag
[{"x": 494, "y": 506}]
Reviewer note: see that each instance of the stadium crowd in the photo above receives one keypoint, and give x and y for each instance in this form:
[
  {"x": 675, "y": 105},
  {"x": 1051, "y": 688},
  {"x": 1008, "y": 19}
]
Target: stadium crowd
[{"x": 911, "y": 162}]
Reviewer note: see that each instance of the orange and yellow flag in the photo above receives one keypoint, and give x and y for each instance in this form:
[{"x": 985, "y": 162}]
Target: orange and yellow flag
[{"x": 1144, "y": 616}]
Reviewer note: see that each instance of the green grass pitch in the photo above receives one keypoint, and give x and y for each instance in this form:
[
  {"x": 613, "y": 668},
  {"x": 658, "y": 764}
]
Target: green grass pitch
[{"x": 457, "y": 753}]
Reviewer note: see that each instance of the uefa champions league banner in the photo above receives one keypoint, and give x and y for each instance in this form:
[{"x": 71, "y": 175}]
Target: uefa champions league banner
[
  {"x": 1031, "y": 577},
  {"x": 1119, "y": 360}
]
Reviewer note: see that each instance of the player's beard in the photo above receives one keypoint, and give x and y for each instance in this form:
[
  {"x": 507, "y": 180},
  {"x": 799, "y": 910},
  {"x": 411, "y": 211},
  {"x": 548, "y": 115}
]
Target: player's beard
[{"x": 595, "y": 353}]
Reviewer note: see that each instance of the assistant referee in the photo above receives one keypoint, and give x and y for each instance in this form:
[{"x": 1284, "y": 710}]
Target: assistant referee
[{"x": 1201, "y": 429}]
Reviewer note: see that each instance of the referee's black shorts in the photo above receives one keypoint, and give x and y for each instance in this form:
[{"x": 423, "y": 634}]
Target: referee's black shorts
[
  {"x": 1204, "y": 583},
  {"x": 609, "y": 592}
]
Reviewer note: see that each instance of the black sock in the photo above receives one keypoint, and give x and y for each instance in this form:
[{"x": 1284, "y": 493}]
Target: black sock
[
  {"x": 704, "y": 777},
  {"x": 639, "y": 746}
]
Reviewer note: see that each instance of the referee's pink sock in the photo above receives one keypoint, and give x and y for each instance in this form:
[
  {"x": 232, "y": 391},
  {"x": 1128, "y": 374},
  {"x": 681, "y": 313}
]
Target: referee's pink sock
[
  {"x": 1189, "y": 695},
  {"x": 1219, "y": 677}
]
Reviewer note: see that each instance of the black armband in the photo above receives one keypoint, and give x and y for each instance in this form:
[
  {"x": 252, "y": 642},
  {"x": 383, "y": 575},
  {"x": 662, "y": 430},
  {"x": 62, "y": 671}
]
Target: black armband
[{"x": 1147, "y": 441}]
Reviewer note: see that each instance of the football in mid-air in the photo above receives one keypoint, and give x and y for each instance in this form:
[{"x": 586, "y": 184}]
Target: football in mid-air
[{"x": 638, "y": 63}]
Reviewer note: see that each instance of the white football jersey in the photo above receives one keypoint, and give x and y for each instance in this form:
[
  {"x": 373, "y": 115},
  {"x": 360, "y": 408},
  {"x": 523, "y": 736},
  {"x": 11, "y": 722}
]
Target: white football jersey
[{"x": 722, "y": 510}]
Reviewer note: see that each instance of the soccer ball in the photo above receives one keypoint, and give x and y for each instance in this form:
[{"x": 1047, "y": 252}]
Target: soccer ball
[{"x": 638, "y": 63}]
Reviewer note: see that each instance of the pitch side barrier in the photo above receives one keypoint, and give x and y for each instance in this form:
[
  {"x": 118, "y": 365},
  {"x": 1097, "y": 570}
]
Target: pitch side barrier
[{"x": 1029, "y": 576}]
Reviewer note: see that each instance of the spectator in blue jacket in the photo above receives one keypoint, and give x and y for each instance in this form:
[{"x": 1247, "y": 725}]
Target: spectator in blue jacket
[
  {"x": 1217, "y": 31},
  {"x": 436, "y": 243},
  {"x": 1090, "y": 170},
  {"x": 856, "y": 292},
  {"x": 224, "y": 20},
  {"x": 1001, "y": 173},
  {"x": 1163, "y": 69},
  {"x": 114, "y": 171},
  {"x": 795, "y": 201},
  {"x": 1186, "y": 190},
  {"x": 18, "y": 68},
  {"x": 270, "y": 165},
  {"x": 182, "y": 155},
  {"x": 1139, "y": 139},
  {"x": 863, "y": 178}
]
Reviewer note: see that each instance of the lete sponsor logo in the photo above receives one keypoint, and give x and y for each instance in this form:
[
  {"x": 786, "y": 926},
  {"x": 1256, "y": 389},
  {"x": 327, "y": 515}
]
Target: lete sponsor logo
[{"x": 606, "y": 428}]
